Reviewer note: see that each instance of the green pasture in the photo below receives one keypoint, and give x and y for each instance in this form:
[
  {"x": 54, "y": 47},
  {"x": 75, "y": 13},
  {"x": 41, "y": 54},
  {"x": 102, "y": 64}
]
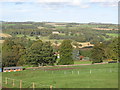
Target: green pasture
[
  {"x": 43, "y": 38},
  {"x": 19, "y": 35},
  {"x": 84, "y": 76},
  {"x": 26, "y": 24},
  {"x": 112, "y": 34},
  {"x": 60, "y": 27},
  {"x": 83, "y": 62},
  {"x": 9, "y": 24}
]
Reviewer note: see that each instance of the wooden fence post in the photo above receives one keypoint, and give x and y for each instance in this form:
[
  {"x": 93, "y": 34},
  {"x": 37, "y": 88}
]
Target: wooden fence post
[
  {"x": 64, "y": 72},
  {"x": 13, "y": 83},
  {"x": 6, "y": 82},
  {"x": 78, "y": 72},
  {"x": 33, "y": 86},
  {"x": 72, "y": 72},
  {"x": 20, "y": 84},
  {"x": 90, "y": 71},
  {"x": 50, "y": 87},
  {"x": 110, "y": 70}
]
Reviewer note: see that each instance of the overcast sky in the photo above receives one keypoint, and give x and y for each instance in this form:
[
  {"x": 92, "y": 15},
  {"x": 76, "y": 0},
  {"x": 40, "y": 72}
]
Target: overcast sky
[{"x": 83, "y": 11}]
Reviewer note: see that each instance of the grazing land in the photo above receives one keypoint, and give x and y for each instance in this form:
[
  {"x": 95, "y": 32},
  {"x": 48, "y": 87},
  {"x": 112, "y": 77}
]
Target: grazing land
[
  {"x": 87, "y": 76},
  {"x": 113, "y": 35}
]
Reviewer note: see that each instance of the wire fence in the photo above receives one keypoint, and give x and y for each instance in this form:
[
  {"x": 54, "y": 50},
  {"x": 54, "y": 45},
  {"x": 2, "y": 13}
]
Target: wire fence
[{"x": 14, "y": 83}]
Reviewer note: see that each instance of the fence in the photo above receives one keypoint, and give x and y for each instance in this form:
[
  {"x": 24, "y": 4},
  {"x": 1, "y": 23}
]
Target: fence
[{"x": 14, "y": 83}]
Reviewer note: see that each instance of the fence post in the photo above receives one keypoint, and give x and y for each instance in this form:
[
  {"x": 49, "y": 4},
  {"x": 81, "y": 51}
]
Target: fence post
[
  {"x": 50, "y": 87},
  {"x": 110, "y": 70},
  {"x": 78, "y": 72},
  {"x": 72, "y": 72},
  {"x": 20, "y": 84},
  {"x": 13, "y": 83},
  {"x": 6, "y": 82},
  {"x": 33, "y": 86},
  {"x": 90, "y": 71}
]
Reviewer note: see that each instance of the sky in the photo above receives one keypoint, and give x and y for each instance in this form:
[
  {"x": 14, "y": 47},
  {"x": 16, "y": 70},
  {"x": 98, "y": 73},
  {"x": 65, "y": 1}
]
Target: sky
[{"x": 81, "y": 11}]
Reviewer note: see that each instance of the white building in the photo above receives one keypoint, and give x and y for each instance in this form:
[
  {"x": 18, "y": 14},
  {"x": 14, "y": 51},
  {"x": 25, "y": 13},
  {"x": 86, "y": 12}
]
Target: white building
[{"x": 55, "y": 32}]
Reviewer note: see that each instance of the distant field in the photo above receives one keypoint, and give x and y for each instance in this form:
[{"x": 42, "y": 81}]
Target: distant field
[
  {"x": 45, "y": 38},
  {"x": 5, "y": 35},
  {"x": 26, "y": 24},
  {"x": 10, "y": 24},
  {"x": 89, "y": 76},
  {"x": 83, "y": 62},
  {"x": 19, "y": 35},
  {"x": 112, "y": 34}
]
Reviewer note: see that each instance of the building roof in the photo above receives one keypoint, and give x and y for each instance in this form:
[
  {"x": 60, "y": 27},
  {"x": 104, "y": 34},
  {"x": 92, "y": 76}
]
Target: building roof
[{"x": 13, "y": 67}]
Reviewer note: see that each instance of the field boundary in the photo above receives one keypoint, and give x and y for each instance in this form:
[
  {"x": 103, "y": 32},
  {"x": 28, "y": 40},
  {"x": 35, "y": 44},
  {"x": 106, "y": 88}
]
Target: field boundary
[
  {"x": 14, "y": 83},
  {"x": 65, "y": 65}
]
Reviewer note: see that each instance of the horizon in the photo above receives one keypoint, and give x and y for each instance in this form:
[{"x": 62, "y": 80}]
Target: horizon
[{"x": 60, "y": 22}]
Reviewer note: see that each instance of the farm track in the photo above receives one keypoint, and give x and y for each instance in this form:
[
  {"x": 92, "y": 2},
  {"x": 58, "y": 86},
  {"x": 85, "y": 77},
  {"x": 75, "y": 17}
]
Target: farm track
[{"x": 41, "y": 67}]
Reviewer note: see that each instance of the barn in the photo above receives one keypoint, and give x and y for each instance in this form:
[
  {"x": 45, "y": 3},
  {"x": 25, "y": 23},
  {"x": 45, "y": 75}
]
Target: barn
[{"x": 12, "y": 69}]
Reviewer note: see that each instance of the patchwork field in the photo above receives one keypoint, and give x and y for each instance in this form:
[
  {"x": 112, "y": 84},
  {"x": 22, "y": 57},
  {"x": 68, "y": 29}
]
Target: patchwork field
[
  {"x": 5, "y": 35},
  {"x": 84, "y": 76},
  {"x": 113, "y": 35}
]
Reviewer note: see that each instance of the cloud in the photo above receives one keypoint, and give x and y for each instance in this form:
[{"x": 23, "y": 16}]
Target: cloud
[
  {"x": 80, "y": 3},
  {"x": 104, "y": 0},
  {"x": 61, "y": 3},
  {"x": 13, "y": 0},
  {"x": 53, "y": 2},
  {"x": 110, "y": 3}
]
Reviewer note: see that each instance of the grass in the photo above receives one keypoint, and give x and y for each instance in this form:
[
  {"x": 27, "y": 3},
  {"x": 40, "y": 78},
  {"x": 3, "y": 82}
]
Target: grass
[
  {"x": 112, "y": 34},
  {"x": 26, "y": 24},
  {"x": 19, "y": 35},
  {"x": 83, "y": 62},
  {"x": 102, "y": 76},
  {"x": 43, "y": 38},
  {"x": 10, "y": 24}
]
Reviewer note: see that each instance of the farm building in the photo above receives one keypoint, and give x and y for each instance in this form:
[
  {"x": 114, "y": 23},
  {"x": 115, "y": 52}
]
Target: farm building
[
  {"x": 12, "y": 69},
  {"x": 55, "y": 32}
]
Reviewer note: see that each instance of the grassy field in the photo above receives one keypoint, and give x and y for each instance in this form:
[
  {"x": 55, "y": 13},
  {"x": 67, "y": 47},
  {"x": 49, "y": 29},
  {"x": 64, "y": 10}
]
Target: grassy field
[
  {"x": 112, "y": 34},
  {"x": 89, "y": 76},
  {"x": 45, "y": 38},
  {"x": 83, "y": 62}
]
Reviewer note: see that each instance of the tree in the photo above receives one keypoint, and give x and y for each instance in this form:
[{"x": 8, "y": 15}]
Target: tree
[
  {"x": 98, "y": 53},
  {"x": 66, "y": 53},
  {"x": 34, "y": 53},
  {"x": 40, "y": 54},
  {"x": 11, "y": 52},
  {"x": 48, "y": 55},
  {"x": 112, "y": 49}
]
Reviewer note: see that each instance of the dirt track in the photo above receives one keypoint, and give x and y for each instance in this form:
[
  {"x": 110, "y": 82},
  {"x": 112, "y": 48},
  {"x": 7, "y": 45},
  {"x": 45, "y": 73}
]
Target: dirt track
[{"x": 63, "y": 66}]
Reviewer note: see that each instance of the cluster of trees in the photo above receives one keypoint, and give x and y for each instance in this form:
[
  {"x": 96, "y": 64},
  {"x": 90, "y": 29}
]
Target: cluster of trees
[
  {"x": 106, "y": 50},
  {"x": 66, "y": 50},
  {"x": 11, "y": 52},
  {"x": 37, "y": 53}
]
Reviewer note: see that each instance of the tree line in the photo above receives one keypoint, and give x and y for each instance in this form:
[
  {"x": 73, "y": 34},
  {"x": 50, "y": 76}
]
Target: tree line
[
  {"x": 21, "y": 51},
  {"x": 36, "y": 53}
]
